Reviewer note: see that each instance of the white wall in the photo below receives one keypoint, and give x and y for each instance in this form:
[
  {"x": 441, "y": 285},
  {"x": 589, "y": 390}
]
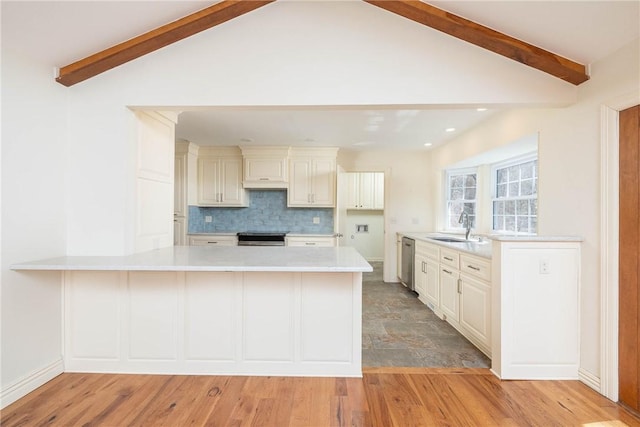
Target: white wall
[
  {"x": 33, "y": 223},
  {"x": 370, "y": 244},
  {"x": 569, "y": 172}
]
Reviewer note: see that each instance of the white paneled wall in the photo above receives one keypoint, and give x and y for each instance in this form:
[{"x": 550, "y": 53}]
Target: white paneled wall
[
  {"x": 154, "y": 180},
  {"x": 259, "y": 323}
]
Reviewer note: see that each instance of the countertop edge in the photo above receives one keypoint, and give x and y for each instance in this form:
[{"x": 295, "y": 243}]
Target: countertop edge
[{"x": 213, "y": 259}]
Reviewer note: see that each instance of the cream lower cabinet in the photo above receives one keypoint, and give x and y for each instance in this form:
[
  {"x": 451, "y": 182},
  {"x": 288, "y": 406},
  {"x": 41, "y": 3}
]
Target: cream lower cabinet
[
  {"x": 456, "y": 286},
  {"x": 427, "y": 280},
  {"x": 179, "y": 231},
  {"x": 475, "y": 311},
  {"x": 213, "y": 240},
  {"x": 317, "y": 241},
  {"x": 449, "y": 294}
]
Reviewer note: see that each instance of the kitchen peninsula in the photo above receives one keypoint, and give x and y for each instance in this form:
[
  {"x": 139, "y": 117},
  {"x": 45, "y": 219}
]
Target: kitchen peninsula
[{"x": 213, "y": 310}]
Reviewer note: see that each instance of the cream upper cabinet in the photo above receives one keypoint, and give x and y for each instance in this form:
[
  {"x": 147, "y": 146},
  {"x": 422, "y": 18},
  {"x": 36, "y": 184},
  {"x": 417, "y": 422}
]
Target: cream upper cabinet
[
  {"x": 378, "y": 190},
  {"x": 366, "y": 190},
  {"x": 265, "y": 167},
  {"x": 312, "y": 180},
  {"x": 220, "y": 177}
]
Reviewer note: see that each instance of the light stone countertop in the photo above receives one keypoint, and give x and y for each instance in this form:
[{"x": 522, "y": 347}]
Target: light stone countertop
[
  {"x": 216, "y": 258},
  {"x": 476, "y": 248},
  {"x": 507, "y": 238},
  {"x": 483, "y": 249},
  {"x": 288, "y": 234}
]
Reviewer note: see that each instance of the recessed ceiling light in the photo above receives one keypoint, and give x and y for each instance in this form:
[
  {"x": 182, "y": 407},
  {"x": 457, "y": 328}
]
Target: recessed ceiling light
[
  {"x": 481, "y": 109},
  {"x": 246, "y": 139},
  {"x": 450, "y": 129},
  {"x": 361, "y": 143},
  {"x": 309, "y": 140},
  {"x": 428, "y": 144}
]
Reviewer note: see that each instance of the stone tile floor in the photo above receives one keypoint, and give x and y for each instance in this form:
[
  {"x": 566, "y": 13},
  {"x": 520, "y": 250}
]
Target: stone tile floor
[{"x": 399, "y": 331}]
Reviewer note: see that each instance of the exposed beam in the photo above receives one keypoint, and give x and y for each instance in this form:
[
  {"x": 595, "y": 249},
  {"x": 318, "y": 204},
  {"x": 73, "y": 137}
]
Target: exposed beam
[
  {"x": 156, "y": 39},
  {"x": 487, "y": 38}
]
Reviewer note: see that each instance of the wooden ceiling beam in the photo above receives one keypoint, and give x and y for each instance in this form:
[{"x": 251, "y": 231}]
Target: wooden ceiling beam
[
  {"x": 156, "y": 39},
  {"x": 487, "y": 38}
]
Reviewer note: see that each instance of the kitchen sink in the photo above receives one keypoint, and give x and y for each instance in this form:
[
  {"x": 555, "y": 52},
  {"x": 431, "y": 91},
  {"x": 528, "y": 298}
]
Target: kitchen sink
[{"x": 448, "y": 239}]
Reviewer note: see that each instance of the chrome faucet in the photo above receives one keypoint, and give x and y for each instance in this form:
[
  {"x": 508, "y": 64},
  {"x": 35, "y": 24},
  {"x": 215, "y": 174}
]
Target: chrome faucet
[{"x": 465, "y": 216}]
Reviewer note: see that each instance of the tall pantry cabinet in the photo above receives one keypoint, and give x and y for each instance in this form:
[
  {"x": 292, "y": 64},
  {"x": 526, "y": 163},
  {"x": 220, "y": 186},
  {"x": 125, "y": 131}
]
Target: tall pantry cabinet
[{"x": 185, "y": 166}]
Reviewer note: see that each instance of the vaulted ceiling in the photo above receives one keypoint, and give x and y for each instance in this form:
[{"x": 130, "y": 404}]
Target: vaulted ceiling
[
  {"x": 533, "y": 32},
  {"x": 417, "y": 11}
]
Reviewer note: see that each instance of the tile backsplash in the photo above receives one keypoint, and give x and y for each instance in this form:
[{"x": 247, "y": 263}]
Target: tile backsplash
[{"x": 267, "y": 211}]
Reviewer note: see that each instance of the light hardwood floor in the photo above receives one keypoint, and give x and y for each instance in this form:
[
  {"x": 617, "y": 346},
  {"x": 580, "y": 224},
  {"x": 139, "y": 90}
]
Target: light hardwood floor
[{"x": 384, "y": 397}]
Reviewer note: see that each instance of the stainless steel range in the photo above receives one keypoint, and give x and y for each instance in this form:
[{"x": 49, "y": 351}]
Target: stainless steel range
[{"x": 260, "y": 238}]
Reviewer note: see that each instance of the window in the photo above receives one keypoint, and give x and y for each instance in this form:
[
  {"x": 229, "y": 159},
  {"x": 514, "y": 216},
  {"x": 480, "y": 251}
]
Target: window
[
  {"x": 461, "y": 195},
  {"x": 515, "y": 201}
]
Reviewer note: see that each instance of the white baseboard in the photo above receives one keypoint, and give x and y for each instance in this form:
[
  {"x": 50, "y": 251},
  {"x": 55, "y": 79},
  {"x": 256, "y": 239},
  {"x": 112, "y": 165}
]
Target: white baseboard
[
  {"x": 26, "y": 385},
  {"x": 589, "y": 379}
]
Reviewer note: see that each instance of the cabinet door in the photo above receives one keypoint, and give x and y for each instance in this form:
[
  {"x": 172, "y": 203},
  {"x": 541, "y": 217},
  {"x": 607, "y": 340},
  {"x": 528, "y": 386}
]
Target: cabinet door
[
  {"x": 399, "y": 257},
  {"x": 213, "y": 240},
  {"x": 231, "y": 191},
  {"x": 311, "y": 241},
  {"x": 378, "y": 191},
  {"x": 265, "y": 169},
  {"x": 366, "y": 190},
  {"x": 323, "y": 183},
  {"x": 432, "y": 282},
  {"x": 475, "y": 308},
  {"x": 449, "y": 296},
  {"x": 208, "y": 185},
  {"x": 420, "y": 278},
  {"x": 180, "y": 185},
  {"x": 353, "y": 190},
  {"x": 179, "y": 232},
  {"x": 299, "y": 193}
]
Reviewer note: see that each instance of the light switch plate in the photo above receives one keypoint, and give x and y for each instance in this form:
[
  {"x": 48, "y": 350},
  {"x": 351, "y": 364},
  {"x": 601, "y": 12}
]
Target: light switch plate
[
  {"x": 316, "y": 220},
  {"x": 208, "y": 218}
]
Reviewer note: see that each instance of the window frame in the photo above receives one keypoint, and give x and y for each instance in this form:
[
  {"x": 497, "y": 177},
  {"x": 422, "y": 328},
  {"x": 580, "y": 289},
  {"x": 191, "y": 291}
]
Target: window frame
[
  {"x": 514, "y": 161},
  {"x": 448, "y": 173}
]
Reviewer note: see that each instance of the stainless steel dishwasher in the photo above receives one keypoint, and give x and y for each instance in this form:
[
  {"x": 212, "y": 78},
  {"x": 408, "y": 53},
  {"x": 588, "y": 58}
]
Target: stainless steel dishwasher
[{"x": 408, "y": 259}]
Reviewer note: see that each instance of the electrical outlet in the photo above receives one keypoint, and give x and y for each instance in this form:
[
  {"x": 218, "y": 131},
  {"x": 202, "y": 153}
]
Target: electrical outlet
[
  {"x": 208, "y": 218},
  {"x": 316, "y": 220},
  {"x": 544, "y": 266}
]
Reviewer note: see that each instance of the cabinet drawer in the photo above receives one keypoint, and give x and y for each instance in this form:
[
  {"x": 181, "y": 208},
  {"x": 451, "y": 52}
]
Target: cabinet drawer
[
  {"x": 449, "y": 258},
  {"x": 428, "y": 250},
  {"x": 311, "y": 241},
  {"x": 213, "y": 240},
  {"x": 474, "y": 266}
]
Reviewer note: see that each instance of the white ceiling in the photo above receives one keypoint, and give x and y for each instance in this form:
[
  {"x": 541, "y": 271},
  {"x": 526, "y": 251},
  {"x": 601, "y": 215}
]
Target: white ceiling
[
  {"x": 357, "y": 129},
  {"x": 60, "y": 32}
]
